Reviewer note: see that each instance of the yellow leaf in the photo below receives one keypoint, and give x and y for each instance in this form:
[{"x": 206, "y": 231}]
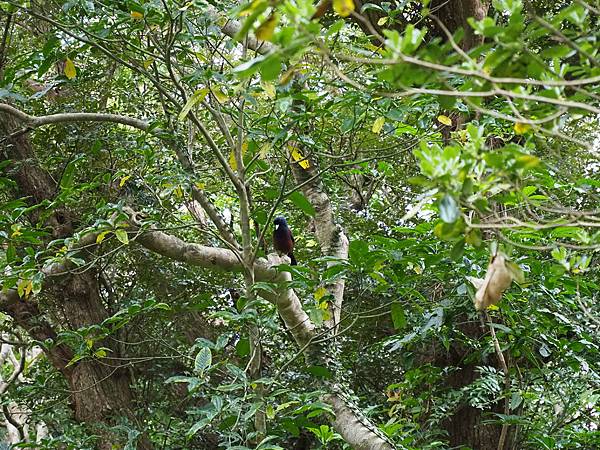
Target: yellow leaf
[
  {"x": 136, "y": 15},
  {"x": 101, "y": 236},
  {"x": 324, "y": 305},
  {"x": 297, "y": 156},
  {"x": 21, "y": 286},
  {"x": 319, "y": 293},
  {"x": 343, "y": 7},
  {"x": 326, "y": 315},
  {"x": 461, "y": 135},
  {"x": 15, "y": 234},
  {"x": 269, "y": 89},
  {"x": 382, "y": 21},
  {"x": 264, "y": 150},
  {"x": 378, "y": 125},
  {"x": 124, "y": 180},
  {"x": 187, "y": 6},
  {"x": 200, "y": 185},
  {"x": 265, "y": 30},
  {"x": 196, "y": 97},
  {"x": 70, "y": 71},
  {"x": 270, "y": 412},
  {"x": 522, "y": 128},
  {"x": 250, "y": 8},
  {"x": 148, "y": 62},
  {"x": 444, "y": 120},
  {"x": 219, "y": 94},
  {"x": 528, "y": 161},
  {"x": 287, "y": 76},
  {"x": 28, "y": 288},
  {"x": 232, "y": 161},
  {"x": 178, "y": 192}
]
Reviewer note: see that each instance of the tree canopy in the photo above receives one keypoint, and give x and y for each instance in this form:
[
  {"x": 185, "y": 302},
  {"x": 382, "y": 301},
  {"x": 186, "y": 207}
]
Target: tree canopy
[{"x": 437, "y": 163}]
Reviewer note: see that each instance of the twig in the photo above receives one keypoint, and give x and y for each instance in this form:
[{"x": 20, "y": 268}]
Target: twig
[{"x": 504, "y": 366}]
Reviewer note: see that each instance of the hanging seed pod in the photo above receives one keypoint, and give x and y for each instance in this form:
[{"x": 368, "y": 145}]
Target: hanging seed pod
[{"x": 499, "y": 276}]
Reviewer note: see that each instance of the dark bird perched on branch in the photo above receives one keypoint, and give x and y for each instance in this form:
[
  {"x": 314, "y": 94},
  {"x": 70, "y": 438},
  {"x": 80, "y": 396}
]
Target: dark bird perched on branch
[{"x": 283, "y": 241}]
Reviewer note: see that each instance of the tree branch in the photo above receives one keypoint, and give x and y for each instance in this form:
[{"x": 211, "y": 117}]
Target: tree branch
[
  {"x": 214, "y": 258},
  {"x": 329, "y": 234},
  {"x": 31, "y": 122}
]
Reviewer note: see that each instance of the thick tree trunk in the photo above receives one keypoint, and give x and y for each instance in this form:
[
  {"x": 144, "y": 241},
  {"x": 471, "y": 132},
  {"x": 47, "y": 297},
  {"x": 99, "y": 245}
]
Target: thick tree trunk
[
  {"x": 454, "y": 14},
  {"x": 466, "y": 427},
  {"x": 99, "y": 389}
]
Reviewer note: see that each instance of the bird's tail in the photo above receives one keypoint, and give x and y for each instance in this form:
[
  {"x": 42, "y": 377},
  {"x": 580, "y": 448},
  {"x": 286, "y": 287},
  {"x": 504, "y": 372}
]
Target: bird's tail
[{"x": 293, "y": 259}]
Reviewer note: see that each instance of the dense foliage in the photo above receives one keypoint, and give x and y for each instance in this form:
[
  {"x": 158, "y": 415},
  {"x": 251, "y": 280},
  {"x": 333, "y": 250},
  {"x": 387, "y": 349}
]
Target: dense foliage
[{"x": 412, "y": 151}]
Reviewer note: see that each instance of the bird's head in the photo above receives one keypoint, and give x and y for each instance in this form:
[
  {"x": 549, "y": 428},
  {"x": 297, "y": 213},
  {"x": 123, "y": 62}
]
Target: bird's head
[{"x": 280, "y": 221}]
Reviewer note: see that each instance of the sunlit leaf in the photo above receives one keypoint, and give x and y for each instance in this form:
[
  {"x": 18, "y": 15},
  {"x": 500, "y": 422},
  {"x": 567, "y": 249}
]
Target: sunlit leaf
[
  {"x": 287, "y": 76},
  {"x": 264, "y": 150},
  {"x": 124, "y": 180},
  {"x": 148, "y": 62}
]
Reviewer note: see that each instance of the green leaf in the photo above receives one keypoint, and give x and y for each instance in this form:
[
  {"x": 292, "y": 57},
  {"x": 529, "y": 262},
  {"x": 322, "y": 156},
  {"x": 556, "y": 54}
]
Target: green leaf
[
  {"x": 516, "y": 271},
  {"x": 203, "y": 360},
  {"x": 457, "y": 250},
  {"x": 398, "y": 316},
  {"x": 242, "y": 348},
  {"x": 122, "y": 236},
  {"x": 270, "y": 68},
  {"x": 66, "y": 180},
  {"x": 319, "y": 371},
  {"x": 197, "y": 427},
  {"x": 11, "y": 253},
  {"x": 302, "y": 203},
  {"x": 358, "y": 251}
]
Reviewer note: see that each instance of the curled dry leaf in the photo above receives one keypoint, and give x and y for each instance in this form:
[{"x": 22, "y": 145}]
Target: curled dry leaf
[{"x": 497, "y": 280}]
